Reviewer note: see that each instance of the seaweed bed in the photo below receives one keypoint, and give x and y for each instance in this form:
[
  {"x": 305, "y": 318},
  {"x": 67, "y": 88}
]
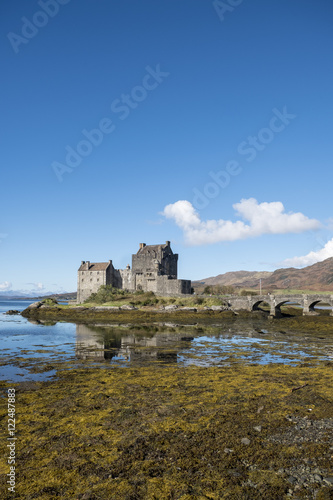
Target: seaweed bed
[{"x": 169, "y": 432}]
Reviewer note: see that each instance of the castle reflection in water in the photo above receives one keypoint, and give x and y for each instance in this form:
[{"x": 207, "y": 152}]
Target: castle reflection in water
[{"x": 130, "y": 343}]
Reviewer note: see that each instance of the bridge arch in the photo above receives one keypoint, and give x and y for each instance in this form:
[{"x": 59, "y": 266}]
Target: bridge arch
[
  {"x": 258, "y": 304},
  {"x": 313, "y": 305},
  {"x": 279, "y": 303},
  {"x": 323, "y": 301}
]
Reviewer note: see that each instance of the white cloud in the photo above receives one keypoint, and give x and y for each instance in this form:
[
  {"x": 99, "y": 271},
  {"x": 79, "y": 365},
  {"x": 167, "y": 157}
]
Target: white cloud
[
  {"x": 312, "y": 257},
  {"x": 6, "y": 285},
  {"x": 262, "y": 218}
]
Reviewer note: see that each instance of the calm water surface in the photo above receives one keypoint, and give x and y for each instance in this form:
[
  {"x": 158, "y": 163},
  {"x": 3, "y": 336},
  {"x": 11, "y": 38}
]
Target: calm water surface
[{"x": 28, "y": 349}]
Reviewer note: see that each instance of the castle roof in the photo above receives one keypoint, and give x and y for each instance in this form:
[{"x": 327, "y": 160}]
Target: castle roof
[
  {"x": 151, "y": 248},
  {"x": 94, "y": 266}
]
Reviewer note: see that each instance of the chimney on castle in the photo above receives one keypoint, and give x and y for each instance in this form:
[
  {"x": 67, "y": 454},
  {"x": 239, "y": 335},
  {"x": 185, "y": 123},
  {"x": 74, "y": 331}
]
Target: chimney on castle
[
  {"x": 167, "y": 243},
  {"x": 142, "y": 245}
]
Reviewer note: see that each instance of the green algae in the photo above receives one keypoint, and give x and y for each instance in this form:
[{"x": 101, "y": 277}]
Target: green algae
[{"x": 160, "y": 432}]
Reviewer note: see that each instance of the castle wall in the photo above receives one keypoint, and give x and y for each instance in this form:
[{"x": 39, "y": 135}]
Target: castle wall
[
  {"x": 169, "y": 265},
  {"x": 144, "y": 263},
  {"x": 89, "y": 281},
  {"x": 185, "y": 286},
  {"x": 117, "y": 279},
  {"x": 124, "y": 278},
  {"x": 166, "y": 286},
  {"x": 150, "y": 285}
]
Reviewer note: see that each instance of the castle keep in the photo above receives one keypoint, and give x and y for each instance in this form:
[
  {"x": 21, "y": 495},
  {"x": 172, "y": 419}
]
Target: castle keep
[{"x": 154, "y": 269}]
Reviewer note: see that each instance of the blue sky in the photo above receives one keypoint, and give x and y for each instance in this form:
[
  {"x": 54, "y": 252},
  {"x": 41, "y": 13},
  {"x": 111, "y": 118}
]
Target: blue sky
[{"x": 128, "y": 122}]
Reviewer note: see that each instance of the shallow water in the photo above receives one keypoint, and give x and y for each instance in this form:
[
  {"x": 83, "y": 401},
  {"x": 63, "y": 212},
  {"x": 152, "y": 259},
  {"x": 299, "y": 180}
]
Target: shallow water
[{"x": 33, "y": 350}]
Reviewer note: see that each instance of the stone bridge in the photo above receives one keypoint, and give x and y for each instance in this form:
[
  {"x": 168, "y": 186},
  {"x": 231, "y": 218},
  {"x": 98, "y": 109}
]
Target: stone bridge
[{"x": 306, "y": 301}]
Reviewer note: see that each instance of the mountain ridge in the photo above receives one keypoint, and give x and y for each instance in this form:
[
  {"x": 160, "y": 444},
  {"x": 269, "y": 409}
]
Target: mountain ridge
[{"x": 317, "y": 277}]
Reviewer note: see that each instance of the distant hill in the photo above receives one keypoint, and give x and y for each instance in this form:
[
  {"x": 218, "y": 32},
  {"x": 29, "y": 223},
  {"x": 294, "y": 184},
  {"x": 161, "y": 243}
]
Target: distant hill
[
  {"x": 318, "y": 277},
  {"x": 235, "y": 278}
]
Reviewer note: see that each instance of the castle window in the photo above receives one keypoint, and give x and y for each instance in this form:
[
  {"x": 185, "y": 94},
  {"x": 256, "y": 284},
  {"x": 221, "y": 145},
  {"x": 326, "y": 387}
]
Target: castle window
[
  {"x": 97, "y": 279},
  {"x": 82, "y": 280},
  {"x": 90, "y": 279},
  {"x": 90, "y": 273}
]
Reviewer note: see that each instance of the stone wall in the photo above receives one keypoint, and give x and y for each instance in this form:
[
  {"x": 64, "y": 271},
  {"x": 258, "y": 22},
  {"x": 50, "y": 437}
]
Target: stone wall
[
  {"x": 126, "y": 279},
  {"x": 144, "y": 263},
  {"x": 89, "y": 281},
  {"x": 166, "y": 286},
  {"x": 169, "y": 262}
]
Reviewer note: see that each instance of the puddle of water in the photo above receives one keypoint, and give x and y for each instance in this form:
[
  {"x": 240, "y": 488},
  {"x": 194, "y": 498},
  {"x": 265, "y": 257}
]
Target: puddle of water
[{"x": 12, "y": 373}]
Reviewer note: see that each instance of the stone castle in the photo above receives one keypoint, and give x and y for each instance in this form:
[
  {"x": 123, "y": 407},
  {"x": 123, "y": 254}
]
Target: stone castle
[{"x": 154, "y": 269}]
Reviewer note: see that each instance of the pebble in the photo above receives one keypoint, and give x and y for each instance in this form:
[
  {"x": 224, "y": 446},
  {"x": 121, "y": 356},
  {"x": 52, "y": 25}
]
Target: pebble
[
  {"x": 257, "y": 428},
  {"x": 246, "y": 441}
]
